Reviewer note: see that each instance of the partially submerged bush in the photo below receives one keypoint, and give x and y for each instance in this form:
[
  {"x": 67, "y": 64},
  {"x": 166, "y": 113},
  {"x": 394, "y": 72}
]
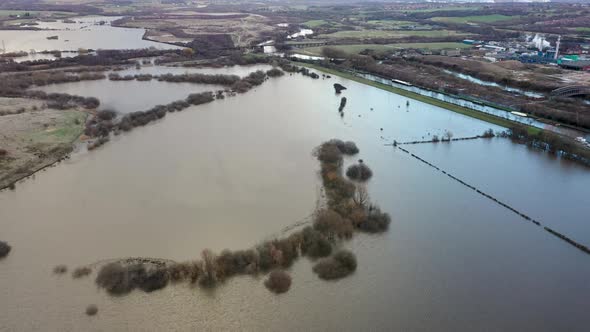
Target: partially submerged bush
[
  {"x": 91, "y": 310},
  {"x": 488, "y": 133},
  {"x": 81, "y": 272},
  {"x": 106, "y": 115},
  {"x": 275, "y": 72},
  {"x": 340, "y": 265},
  {"x": 347, "y": 148},
  {"x": 4, "y": 249},
  {"x": 332, "y": 225},
  {"x": 328, "y": 153},
  {"x": 3, "y": 153},
  {"x": 376, "y": 221},
  {"x": 116, "y": 279},
  {"x": 60, "y": 269},
  {"x": 342, "y": 104},
  {"x": 315, "y": 244},
  {"x": 339, "y": 87},
  {"x": 154, "y": 279},
  {"x": 360, "y": 172},
  {"x": 278, "y": 282}
]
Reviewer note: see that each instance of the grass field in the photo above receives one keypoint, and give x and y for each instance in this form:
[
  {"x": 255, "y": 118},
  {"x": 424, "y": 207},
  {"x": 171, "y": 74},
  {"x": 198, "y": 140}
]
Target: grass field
[
  {"x": 315, "y": 23},
  {"x": 357, "y": 48},
  {"x": 475, "y": 19},
  {"x": 6, "y": 13},
  {"x": 442, "y": 9},
  {"x": 369, "y": 34},
  {"x": 33, "y": 13},
  {"x": 67, "y": 129},
  {"x": 458, "y": 109}
]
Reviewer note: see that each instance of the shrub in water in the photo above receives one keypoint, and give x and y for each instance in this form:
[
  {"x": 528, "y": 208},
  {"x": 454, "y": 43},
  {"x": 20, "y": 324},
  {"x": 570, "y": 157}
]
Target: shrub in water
[
  {"x": 331, "y": 224},
  {"x": 278, "y": 282},
  {"x": 60, "y": 269},
  {"x": 4, "y": 249},
  {"x": 360, "y": 172},
  {"x": 91, "y": 310},
  {"x": 115, "y": 279},
  {"x": 376, "y": 221},
  {"x": 81, "y": 272},
  {"x": 315, "y": 244},
  {"x": 342, "y": 264},
  {"x": 275, "y": 72}
]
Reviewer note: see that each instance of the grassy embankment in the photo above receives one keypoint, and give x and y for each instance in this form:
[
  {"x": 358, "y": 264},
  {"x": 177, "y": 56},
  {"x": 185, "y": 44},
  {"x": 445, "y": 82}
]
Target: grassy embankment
[{"x": 455, "y": 108}]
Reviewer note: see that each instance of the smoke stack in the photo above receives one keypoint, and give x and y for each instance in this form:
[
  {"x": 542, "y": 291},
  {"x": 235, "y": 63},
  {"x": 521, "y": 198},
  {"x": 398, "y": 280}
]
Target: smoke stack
[{"x": 557, "y": 47}]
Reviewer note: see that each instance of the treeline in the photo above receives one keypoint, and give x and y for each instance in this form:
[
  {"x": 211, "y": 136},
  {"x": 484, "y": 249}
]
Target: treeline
[
  {"x": 553, "y": 143},
  {"x": 237, "y": 84},
  {"x": 348, "y": 211},
  {"x": 17, "y": 86},
  {"x": 101, "y": 58}
]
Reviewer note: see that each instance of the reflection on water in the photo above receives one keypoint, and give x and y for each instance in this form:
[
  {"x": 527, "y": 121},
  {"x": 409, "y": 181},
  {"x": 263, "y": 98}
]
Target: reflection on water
[
  {"x": 86, "y": 33},
  {"x": 230, "y": 173}
]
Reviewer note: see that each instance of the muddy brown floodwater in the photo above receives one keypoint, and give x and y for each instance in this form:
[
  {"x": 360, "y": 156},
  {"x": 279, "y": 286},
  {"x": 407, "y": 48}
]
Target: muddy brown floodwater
[{"x": 234, "y": 172}]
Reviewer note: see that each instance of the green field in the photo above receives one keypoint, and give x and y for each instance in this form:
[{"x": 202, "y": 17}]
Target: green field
[
  {"x": 67, "y": 129},
  {"x": 475, "y": 19},
  {"x": 442, "y": 9},
  {"x": 6, "y": 13},
  {"x": 357, "y": 48},
  {"x": 33, "y": 13},
  {"x": 451, "y": 107},
  {"x": 369, "y": 34},
  {"x": 315, "y": 23}
]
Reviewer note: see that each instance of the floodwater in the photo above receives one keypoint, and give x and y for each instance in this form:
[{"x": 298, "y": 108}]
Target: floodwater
[
  {"x": 86, "y": 33},
  {"x": 494, "y": 84},
  {"x": 234, "y": 172},
  {"x": 477, "y": 106},
  {"x": 132, "y": 96}
]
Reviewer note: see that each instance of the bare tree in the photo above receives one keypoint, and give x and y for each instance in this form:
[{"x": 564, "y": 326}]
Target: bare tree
[{"x": 361, "y": 195}]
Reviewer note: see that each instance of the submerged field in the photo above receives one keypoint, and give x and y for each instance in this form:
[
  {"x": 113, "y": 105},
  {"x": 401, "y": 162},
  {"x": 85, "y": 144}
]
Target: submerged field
[{"x": 237, "y": 171}]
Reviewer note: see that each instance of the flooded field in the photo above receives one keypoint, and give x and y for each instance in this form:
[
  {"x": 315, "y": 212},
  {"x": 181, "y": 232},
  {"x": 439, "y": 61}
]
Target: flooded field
[
  {"x": 234, "y": 172},
  {"x": 90, "y": 32},
  {"x": 132, "y": 96}
]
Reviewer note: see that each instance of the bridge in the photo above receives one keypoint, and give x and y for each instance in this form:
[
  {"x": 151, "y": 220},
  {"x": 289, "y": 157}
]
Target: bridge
[{"x": 571, "y": 90}]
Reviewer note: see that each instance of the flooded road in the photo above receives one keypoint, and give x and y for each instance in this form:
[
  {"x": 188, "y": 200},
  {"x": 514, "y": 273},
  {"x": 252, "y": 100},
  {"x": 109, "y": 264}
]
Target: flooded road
[{"x": 234, "y": 172}]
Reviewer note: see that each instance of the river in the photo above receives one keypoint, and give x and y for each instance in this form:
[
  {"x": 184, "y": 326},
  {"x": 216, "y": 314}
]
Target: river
[{"x": 234, "y": 172}]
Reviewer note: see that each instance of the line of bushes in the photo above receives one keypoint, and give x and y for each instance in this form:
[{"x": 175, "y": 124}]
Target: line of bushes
[
  {"x": 553, "y": 143},
  {"x": 337, "y": 222}
]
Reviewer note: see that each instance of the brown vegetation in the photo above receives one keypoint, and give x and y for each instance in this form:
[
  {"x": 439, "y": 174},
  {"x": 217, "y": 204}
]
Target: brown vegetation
[
  {"x": 91, "y": 310},
  {"x": 60, "y": 269},
  {"x": 81, "y": 272},
  {"x": 348, "y": 210},
  {"x": 340, "y": 265},
  {"x": 359, "y": 172},
  {"x": 4, "y": 249},
  {"x": 278, "y": 282}
]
